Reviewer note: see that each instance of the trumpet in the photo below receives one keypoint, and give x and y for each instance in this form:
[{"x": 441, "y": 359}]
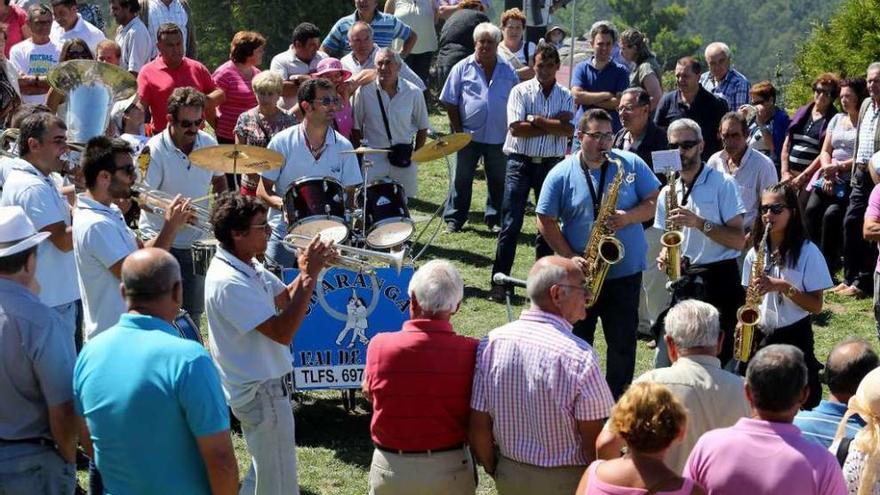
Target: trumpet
[
  {"x": 158, "y": 202},
  {"x": 351, "y": 258}
]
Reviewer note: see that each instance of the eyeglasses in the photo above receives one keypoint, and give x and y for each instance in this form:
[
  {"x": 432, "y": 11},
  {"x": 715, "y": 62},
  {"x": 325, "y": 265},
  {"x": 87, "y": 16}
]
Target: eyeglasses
[
  {"x": 190, "y": 123},
  {"x": 585, "y": 290},
  {"x": 822, "y": 91},
  {"x": 328, "y": 101},
  {"x": 685, "y": 145},
  {"x": 775, "y": 208},
  {"x": 600, "y": 136},
  {"x": 628, "y": 108}
]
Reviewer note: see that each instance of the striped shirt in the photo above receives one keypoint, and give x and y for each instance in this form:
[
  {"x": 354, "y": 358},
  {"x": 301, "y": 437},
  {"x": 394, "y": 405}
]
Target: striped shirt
[
  {"x": 536, "y": 379},
  {"x": 867, "y": 128},
  {"x": 806, "y": 143},
  {"x": 239, "y": 97},
  {"x": 160, "y": 14},
  {"x": 386, "y": 28},
  {"x": 733, "y": 88},
  {"x": 820, "y": 424},
  {"x": 527, "y": 98}
]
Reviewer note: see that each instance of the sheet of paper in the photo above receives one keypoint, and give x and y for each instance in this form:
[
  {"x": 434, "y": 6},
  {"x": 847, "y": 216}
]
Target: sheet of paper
[{"x": 666, "y": 160}]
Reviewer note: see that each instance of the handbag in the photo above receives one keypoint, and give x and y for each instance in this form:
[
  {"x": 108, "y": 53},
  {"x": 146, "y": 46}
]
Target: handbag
[{"x": 400, "y": 154}]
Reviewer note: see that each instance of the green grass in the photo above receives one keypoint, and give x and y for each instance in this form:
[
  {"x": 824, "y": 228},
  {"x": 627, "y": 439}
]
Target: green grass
[{"x": 333, "y": 445}]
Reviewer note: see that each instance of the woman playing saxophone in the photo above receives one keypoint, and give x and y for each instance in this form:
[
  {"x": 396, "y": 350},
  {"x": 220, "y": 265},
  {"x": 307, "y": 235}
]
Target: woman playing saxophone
[{"x": 794, "y": 276}]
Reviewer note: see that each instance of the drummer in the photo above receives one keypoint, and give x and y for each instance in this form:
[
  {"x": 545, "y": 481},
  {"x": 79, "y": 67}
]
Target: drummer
[
  {"x": 310, "y": 149},
  {"x": 171, "y": 171},
  {"x": 391, "y": 122},
  {"x": 101, "y": 240}
]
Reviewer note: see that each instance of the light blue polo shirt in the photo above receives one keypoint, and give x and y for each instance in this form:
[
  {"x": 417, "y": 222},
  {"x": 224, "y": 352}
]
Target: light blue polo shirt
[
  {"x": 565, "y": 196},
  {"x": 482, "y": 105},
  {"x": 715, "y": 197},
  {"x": 146, "y": 394}
]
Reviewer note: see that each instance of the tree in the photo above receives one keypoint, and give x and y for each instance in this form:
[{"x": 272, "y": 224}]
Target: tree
[{"x": 660, "y": 25}]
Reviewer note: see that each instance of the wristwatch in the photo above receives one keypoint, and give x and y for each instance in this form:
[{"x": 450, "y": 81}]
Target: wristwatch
[
  {"x": 708, "y": 226},
  {"x": 530, "y": 118},
  {"x": 790, "y": 291}
]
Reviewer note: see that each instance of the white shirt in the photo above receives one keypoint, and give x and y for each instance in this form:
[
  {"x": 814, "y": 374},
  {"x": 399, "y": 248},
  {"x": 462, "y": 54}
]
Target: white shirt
[
  {"x": 42, "y": 202},
  {"x": 238, "y": 297},
  {"x": 355, "y": 67},
  {"x": 160, "y": 14},
  {"x": 755, "y": 173},
  {"x": 136, "y": 44},
  {"x": 407, "y": 113},
  {"x": 82, "y": 30},
  {"x": 810, "y": 274},
  {"x": 299, "y": 162},
  {"x": 527, "y": 98},
  {"x": 100, "y": 240},
  {"x": 286, "y": 64},
  {"x": 171, "y": 171},
  {"x": 7, "y": 165},
  {"x": 30, "y": 59}
]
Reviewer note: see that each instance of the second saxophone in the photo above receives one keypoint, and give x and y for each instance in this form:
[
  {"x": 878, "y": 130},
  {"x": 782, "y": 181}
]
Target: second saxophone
[{"x": 748, "y": 316}]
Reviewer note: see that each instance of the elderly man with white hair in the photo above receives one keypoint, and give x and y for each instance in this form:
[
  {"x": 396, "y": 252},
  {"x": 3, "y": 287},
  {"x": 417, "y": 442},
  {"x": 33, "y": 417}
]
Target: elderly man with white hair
[
  {"x": 419, "y": 383},
  {"x": 722, "y": 80},
  {"x": 539, "y": 395},
  {"x": 713, "y": 397}
]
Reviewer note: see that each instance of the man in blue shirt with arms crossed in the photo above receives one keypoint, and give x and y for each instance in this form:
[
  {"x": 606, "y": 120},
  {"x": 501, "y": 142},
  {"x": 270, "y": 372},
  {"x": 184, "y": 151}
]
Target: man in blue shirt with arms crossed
[{"x": 152, "y": 400}]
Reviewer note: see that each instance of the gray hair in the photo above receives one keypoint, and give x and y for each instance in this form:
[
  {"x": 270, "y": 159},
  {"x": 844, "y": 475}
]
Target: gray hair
[
  {"x": 685, "y": 125},
  {"x": 540, "y": 279},
  {"x": 693, "y": 323},
  {"x": 267, "y": 82},
  {"x": 873, "y": 66},
  {"x": 361, "y": 24},
  {"x": 487, "y": 28},
  {"x": 717, "y": 45},
  {"x": 394, "y": 54},
  {"x": 437, "y": 286},
  {"x": 603, "y": 27},
  {"x": 777, "y": 376}
]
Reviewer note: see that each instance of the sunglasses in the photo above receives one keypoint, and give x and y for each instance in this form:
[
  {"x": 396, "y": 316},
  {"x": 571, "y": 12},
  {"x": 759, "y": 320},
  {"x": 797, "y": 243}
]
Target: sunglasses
[
  {"x": 600, "y": 136},
  {"x": 328, "y": 101},
  {"x": 685, "y": 145},
  {"x": 822, "y": 91},
  {"x": 628, "y": 108},
  {"x": 190, "y": 123},
  {"x": 775, "y": 208}
]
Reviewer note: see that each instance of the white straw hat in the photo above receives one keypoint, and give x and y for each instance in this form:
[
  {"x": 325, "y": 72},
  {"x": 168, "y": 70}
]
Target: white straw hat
[{"x": 17, "y": 233}]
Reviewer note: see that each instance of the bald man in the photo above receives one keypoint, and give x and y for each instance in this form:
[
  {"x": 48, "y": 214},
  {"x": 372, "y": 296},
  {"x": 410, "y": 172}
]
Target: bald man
[
  {"x": 152, "y": 400},
  {"x": 544, "y": 448},
  {"x": 847, "y": 365}
]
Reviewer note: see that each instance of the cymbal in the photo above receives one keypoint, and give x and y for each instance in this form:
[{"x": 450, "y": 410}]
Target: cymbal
[
  {"x": 441, "y": 147},
  {"x": 236, "y": 158},
  {"x": 72, "y": 74},
  {"x": 364, "y": 151}
]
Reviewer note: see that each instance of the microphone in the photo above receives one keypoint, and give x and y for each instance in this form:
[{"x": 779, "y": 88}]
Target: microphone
[{"x": 502, "y": 279}]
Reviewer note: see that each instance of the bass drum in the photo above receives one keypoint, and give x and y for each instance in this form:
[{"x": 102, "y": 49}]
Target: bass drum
[
  {"x": 316, "y": 205},
  {"x": 202, "y": 253},
  {"x": 187, "y": 328},
  {"x": 387, "y": 219}
]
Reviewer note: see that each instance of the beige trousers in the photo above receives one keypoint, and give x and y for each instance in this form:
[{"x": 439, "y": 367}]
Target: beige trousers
[
  {"x": 516, "y": 478},
  {"x": 444, "y": 473}
]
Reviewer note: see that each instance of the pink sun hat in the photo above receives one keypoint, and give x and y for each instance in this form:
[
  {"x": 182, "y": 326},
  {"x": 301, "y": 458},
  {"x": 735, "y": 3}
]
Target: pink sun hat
[{"x": 329, "y": 65}]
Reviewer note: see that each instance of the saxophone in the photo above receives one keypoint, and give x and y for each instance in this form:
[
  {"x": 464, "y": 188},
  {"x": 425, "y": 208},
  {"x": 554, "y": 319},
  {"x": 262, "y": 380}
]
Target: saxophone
[
  {"x": 603, "y": 249},
  {"x": 672, "y": 237},
  {"x": 749, "y": 314}
]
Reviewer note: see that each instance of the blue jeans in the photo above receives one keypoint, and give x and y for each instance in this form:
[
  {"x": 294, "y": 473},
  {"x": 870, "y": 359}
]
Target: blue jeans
[
  {"x": 193, "y": 285},
  {"x": 618, "y": 306},
  {"x": 523, "y": 175},
  {"x": 495, "y": 163},
  {"x": 27, "y": 469}
]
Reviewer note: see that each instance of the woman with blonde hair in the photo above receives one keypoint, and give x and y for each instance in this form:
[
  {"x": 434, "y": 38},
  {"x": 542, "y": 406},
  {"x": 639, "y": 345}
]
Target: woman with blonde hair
[
  {"x": 862, "y": 465},
  {"x": 649, "y": 419}
]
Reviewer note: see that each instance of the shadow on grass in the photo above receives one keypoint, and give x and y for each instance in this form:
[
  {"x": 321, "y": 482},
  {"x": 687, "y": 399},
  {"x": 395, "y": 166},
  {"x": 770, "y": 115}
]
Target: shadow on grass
[
  {"x": 458, "y": 255},
  {"x": 482, "y": 293},
  {"x": 323, "y": 422},
  {"x": 422, "y": 205},
  {"x": 823, "y": 319}
]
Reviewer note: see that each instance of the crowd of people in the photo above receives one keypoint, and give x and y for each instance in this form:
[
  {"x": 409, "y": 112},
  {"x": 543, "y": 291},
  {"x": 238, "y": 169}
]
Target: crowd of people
[{"x": 94, "y": 290}]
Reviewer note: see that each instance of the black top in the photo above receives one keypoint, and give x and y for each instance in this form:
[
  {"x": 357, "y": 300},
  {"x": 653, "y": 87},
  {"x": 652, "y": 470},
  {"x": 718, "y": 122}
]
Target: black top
[
  {"x": 457, "y": 38},
  {"x": 654, "y": 139},
  {"x": 706, "y": 110}
]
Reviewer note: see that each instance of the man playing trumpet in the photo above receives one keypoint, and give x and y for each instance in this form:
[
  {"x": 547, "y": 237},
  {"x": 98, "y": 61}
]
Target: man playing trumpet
[
  {"x": 101, "y": 239},
  {"x": 171, "y": 171}
]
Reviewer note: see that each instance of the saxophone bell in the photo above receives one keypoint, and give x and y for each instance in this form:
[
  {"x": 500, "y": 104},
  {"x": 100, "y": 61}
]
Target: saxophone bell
[
  {"x": 672, "y": 238},
  {"x": 748, "y": 316},
  {"x": 603, "y": 249}
]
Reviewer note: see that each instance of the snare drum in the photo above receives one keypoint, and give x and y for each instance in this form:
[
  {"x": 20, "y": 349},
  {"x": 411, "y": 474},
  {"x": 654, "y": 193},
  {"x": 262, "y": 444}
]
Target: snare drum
[
  {"x": 386, "y": 215},
  {"x": 316, "y": 205},
  {"x": 186, "y": 328},
  {"x": 202, "y": 253}
]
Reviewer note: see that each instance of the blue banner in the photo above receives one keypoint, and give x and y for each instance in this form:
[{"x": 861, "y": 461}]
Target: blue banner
[{"x": 346, "y": 310}]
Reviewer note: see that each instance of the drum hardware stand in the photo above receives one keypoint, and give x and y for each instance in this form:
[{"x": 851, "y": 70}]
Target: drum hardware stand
[{"x": 434, "y": 216}]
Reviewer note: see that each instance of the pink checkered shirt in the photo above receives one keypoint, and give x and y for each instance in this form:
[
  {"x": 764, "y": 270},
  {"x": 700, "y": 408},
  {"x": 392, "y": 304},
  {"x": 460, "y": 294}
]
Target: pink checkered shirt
[{"x": 537, "y": 379}]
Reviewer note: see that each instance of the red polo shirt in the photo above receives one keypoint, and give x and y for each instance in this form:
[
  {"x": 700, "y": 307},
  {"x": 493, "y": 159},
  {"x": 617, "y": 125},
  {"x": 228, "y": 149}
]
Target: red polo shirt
[
  {"x": 156, "y": 81},
  {"x": 420, "y": 379}
]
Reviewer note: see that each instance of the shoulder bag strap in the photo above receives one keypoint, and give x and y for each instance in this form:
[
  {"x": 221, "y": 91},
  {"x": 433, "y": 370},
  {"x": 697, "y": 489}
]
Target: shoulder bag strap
[{"x": 384, "y": 117}]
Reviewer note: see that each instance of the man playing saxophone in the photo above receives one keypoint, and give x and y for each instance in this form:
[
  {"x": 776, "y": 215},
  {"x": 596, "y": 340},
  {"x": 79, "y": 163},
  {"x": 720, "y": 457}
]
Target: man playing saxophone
[
  {"x": 710, "y": 216},
  {"x": 793, "y": 278},
  {"x": 578, "y": 191}
]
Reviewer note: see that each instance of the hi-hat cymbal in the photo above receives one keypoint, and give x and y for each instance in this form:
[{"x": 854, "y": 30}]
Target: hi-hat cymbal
[
  {"x": 236, "y": 158},
  {"x": 441, "y": 147},
  {"x": 364, "y": 151}
]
